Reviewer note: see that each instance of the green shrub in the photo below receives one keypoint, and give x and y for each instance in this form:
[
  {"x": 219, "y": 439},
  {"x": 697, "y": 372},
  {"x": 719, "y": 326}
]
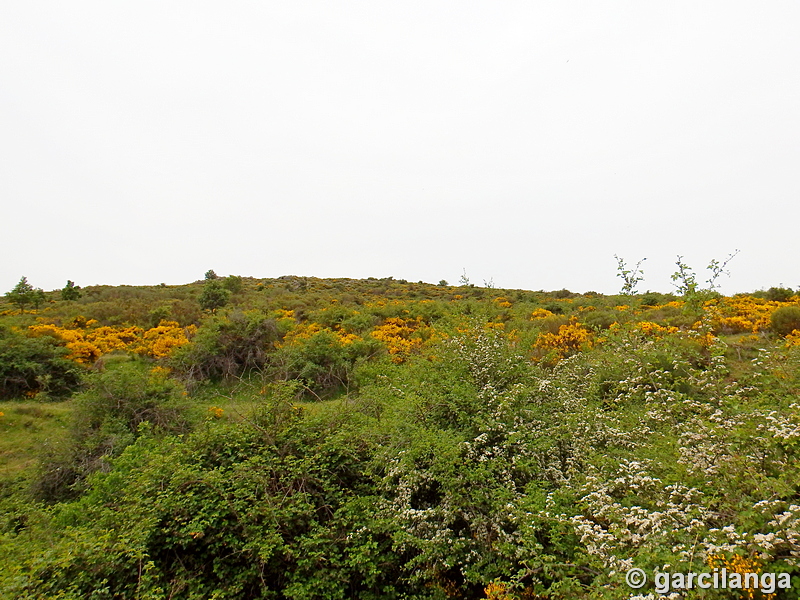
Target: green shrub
[
  {"x": 121, "y": 403},
  {"x": 227, "y": 347},
  {"x": 656, "y": 299},
  {"x": 601, "y": 319},
  {"x": 552, "y": 323},
  {"x": 35, "y": 365},
  {"x": 71, "y": 291},
  {"x": 129, "y": 394},
  {"x": 779, "y": 294},
  {"x": 233, "y": 283},
  {"x": 214, "y": 296},
  {"x": 785, "y": 319},
  {"x": 322, "y": 362}
]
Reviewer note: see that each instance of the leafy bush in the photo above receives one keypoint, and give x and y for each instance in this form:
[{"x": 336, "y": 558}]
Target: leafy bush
[
  {"x": 233, "y": 283},
  {"x": 70, "y": 291},
  {"x": 227, "y": 347},
  {"x": 214, "y": 295},
  {"x": 779, "y": 294},
  {"x": 121, "y": 402},
  {"x": 279, "y": 506},
  {"x": 23, "y": 294},
  {"x": 601, "y": 319},
  {"x": 128, "y": 394},
  {"x": 785, "y": 319},
  {"x": 35, "y": 365},
  {"x": 323, "y": 360}
]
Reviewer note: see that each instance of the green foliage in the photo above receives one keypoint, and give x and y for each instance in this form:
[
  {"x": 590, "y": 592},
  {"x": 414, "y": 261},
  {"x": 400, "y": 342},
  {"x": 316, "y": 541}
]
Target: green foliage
[
  {"x": 210, "y": 275},
  {"x": 214, "y": 295},
  {"x": 228, "y": 346},
  {"x": 323, "y": 364},
  {"x": 630, "y": 277},
  {"x": 463, "y": 462},
  {"x": 779, "y": 294},
  {"x": 233, "y": 283},
  {"x": 127, "y": 394},
  {"x": 686, "y": 279},
  {"x": 276, "y": 506},
  {"x": 785, "y": 319},
  {"x": 120, "y": 403},
  {"x": 38, "y": 298},
  {"x": 70, "y": 291},
  {"x": 22, "y": 294},
  {"x": 561, "y": 294},
  {"x": 35, "y": 366},
  {"x": 602, "y": 319},
  {"x": 688, "y": 287}
]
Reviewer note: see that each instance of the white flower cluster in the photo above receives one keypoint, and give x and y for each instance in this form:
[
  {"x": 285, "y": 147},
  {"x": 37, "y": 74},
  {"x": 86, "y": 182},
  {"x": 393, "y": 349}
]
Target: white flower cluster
[{"x": 610, "y": 528}]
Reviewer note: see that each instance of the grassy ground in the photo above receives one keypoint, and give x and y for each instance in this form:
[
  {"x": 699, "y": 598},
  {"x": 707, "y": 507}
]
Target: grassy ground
[{"x": 25, "y": 428}]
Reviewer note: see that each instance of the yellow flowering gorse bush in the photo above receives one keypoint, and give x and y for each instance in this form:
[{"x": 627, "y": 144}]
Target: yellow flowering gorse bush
[
  {"x": 571, "y": 338},
  {"x": 402, "y": 336},
  {"x": 88, "y": 343}
]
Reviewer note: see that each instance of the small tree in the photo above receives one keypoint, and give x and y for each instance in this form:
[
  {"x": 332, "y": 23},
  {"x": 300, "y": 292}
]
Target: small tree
[
  {"x": 718, "y": 269},
  {"x": 233, "y": 283},
  {"x": 22, "y": 294},
  {"x": 687, "y": 280},
  {"x": 214, "y": 296},
  {"x": 785, "y": 319},
  {"x": 463, "y": 280},
  {"x": 690, "y": 289},
  {"x": 70, "y": 291},
  {"x": 38, "y": 298},
  {"x": 210, "y": 275},
  {"x": 779, "y": 294},
  {"x": 630, "y": 277}
]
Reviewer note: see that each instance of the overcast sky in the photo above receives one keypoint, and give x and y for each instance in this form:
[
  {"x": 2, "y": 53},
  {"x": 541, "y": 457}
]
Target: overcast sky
[{"x": 524, "y": 142}]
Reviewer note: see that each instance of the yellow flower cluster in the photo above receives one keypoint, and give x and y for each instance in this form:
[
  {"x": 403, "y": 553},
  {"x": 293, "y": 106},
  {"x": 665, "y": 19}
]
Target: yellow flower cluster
[
  {"x": 540, "y": 313},
  {"x": 707, "y": 339},
  {"x": 571, "y": 338},
  {"x": 401, "y": 336},
  {"x": 160, "y": 341},
  {"x": 497, "y": 591},
  {"x": 300, "y": 333},
  {"x": 793, "y": 339},
  {"x": 88, "y": 343},
  {"x": 739, "y": 314},
  {"x": 305, "y": 331},
  {"x": 741, "y": 565},
  {"x": 654, "y": 329},
  {"x": 735, "y": 324},
  {"x": 381, "y": 302}
]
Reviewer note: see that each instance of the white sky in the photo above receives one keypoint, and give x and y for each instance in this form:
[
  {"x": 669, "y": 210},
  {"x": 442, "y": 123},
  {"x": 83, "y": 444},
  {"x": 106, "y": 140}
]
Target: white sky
[{"x": 526, "y": 142}]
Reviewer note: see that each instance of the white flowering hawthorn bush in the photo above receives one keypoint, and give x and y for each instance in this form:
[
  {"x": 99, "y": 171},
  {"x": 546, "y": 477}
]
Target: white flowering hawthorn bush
[{"x": 552, "y": 483}]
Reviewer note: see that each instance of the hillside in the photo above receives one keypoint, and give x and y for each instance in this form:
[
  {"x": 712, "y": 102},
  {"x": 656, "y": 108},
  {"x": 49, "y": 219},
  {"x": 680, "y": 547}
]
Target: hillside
[{"x": 304, "y": 438}]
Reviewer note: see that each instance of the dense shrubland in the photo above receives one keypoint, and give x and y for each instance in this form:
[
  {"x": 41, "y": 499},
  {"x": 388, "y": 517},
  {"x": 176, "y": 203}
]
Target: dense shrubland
[{"x": 323, "y": 439}]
